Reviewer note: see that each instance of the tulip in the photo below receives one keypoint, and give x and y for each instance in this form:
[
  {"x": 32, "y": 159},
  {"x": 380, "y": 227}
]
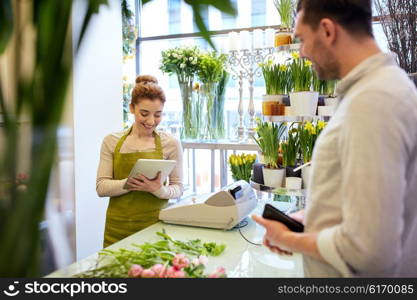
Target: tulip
[
  {"x": 220, "y": 272},
  {"x": 159, "y": 270},
  {"x": 135, "y": 271},
  {"x": 180, "y": 261},
  {"x": 148, "y": 273}
]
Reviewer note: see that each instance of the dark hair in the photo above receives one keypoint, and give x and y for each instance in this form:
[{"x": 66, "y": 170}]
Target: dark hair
[
  {"x": 353, "y": 15},
  {"x": 147, "y": 88}
]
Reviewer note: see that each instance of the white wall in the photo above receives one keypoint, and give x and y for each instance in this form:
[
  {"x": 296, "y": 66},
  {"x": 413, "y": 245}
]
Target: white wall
[{"x": 97, "y": 107}]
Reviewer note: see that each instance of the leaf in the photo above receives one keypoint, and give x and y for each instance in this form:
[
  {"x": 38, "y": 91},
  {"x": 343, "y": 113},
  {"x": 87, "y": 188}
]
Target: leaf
[{"x": 6, "y": 23}]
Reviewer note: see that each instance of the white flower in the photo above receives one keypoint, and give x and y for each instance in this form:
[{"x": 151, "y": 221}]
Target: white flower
[{"x": 182, "y": 66}]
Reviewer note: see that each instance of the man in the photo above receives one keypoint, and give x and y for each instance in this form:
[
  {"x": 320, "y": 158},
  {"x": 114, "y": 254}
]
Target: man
[{"x": 361, "y": 211}]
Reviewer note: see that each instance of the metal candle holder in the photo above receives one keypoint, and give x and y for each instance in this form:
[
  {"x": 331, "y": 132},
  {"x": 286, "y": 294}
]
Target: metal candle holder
[{"x": 244, "y": 64}]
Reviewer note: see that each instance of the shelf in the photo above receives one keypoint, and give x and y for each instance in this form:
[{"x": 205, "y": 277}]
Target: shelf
[
  {"x": 294, "y": 118},
  {"x": 278, "y": 191},
  {"x": 289, "y": 47}
]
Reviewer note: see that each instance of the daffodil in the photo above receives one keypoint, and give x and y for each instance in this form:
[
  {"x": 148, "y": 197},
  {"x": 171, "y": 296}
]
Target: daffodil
[
  {"x": 308, "y": 63},
  {"x": 321, "y": 124},
  {"x": 295, "y": 55}
]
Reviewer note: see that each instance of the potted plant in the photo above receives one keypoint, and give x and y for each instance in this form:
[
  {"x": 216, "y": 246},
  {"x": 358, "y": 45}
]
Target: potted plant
[
  {"x": 183, "y": 62},
  {"x": 241, "y": 166},
  {"x": 267, "y": 137},
  {"x": 276, "y": 78},
  {"x": 285, "y": 10},
  {"x": 289, "y": 149},
  {"x": 303, "y": 101},
  {"x": 210, "y": 71},
  {"x": 308, "y": 133}
]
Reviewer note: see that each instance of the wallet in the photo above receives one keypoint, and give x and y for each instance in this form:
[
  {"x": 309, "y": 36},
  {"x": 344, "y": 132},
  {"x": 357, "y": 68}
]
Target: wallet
[{"x": 272, "y": 213}]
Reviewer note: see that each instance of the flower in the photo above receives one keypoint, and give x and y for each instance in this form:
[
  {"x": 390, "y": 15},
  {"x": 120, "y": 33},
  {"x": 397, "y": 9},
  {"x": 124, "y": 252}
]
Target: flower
[
  {"x": 295, "y": 55},
  {"x": 159, "y": 270},
  {"x": 321, "y": 124},
  {"x": 180, "y": 261},
  {"x": 172, "y": 272},
  {"x": 308, "y": 63},
  {"x": 135, "y": 271},
  {"x": 218, "y": 273},
  {"x": 148, "y": 273},
  {"x": 203, "y": 259}
]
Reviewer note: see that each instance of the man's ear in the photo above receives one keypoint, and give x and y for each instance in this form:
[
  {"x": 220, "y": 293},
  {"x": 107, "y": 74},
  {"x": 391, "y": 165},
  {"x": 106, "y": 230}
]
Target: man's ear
[
  {"x": 132, "y": 108},
  {"x": 328, "y": 30}
]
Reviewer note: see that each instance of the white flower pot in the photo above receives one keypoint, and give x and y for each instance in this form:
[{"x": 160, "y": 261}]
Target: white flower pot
[
  {"x": 273, "y": 177},
  {"x": 326, "y": 110},
  {"x": 293, "y": 183},
  {"x": 331, "y": 101},
  {"x": 305, "y": 175},
  {"x": 304, "y": 103}
]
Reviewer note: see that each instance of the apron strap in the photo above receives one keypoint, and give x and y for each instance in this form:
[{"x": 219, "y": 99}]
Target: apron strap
[{"x": 158, "y": 144}]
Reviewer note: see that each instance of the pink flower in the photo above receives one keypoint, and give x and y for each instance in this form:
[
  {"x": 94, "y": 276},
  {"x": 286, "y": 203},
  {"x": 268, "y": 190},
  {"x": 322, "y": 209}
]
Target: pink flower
[
  {"x": 173, "y": 272},
  {"x": 135, "y": 271},
  {"x": 220, "y": 272},
  {"x": 148, "y": 273},
  {"x": 180, "y": 261},
  {"x": 159, "y": 270},
  {"x": 203, "y": 259}
]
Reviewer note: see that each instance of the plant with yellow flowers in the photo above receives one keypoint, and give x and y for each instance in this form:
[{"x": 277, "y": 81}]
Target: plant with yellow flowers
[
  {"x": 277, "y": 77},
  {"x": 241, "y": 166},
  {"x": 290, "y": 147},
  {"x": 308, "y": 133},
  {"x": 301, "y": 73}
]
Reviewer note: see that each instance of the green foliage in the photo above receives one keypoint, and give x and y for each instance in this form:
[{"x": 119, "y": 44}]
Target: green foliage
[
  {"x": 277, "y": 78},
  {"x": 286, "y": 12},
  {"x": 211, "y": 67},
  {"x": 290, "y": 147},
  {"x": 308, "y": 134},
  {"x": 116, "y": 263},
  {"x": 181, "y": 61},
  {"x": 301, "y": 73},
  {"x": 129, "y": 30},
  {"x": 268, "y": 136}
]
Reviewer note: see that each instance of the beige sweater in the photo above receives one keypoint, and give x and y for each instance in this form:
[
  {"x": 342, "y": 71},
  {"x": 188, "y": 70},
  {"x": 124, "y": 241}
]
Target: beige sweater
[
  {"x": 106, "y": 186},
  {"x": 363, "y": 183}
]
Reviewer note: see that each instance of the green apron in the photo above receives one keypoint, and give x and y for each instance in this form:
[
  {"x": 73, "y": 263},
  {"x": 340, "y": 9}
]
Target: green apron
[{"x": 134, "y": 211}]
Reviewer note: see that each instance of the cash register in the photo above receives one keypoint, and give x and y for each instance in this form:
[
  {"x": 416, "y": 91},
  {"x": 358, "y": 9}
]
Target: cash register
[{"x": 222, "y": 209}]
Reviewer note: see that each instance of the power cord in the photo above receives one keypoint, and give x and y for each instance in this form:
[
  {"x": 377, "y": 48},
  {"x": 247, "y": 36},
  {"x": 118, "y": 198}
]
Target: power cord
[{"x": 240, "y": 225}]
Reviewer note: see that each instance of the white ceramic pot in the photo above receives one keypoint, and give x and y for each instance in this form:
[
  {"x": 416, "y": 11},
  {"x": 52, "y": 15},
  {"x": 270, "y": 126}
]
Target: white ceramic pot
[
  {"x": 293, "y": 183},
  {"x": 331, "y": 101},
  {"x": 273, "y": 177},
  {"x": 304, "y": 103},
  {"x": 305, "y": 175},
  {"x": 326, "y": 110}
]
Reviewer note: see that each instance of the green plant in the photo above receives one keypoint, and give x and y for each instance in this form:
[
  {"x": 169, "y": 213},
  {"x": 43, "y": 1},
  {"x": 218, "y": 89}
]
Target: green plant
[
  {"x": 277, "y": 78},
  {"x": 241, "y": 166},
  {"x": 268, "y": 136},
  {"x": 39, "y": 90},
  {"x": 290, "y": 147},
  {"x": 301, "y": 73},
  {"x": 323, "y": 87},
  {"x": 219, "y": 107},
  {"x": 308, "y": 134},
  {"x": 286, "y": 12}
]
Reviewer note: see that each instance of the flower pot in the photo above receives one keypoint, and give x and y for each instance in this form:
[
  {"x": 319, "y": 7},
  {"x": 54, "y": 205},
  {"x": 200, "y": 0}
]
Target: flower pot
[
  {"x": 273, "y": 177},
  {"x": 258, "y": 175},
  {"x": 331, "y": 101},
  {"x": 283, "y": 38},
  {"x": 273, "y": 105},
  {"x": 293, "y": 183},
  {"x": 289, "y": 171},
  {"x": 304, "y": 103},
  {"x": 305, "y": 175},
  {"x": 326, "y": 110}
]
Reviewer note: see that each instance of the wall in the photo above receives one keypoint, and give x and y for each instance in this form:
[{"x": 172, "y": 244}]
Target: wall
[{"x": 97, "y": 111}]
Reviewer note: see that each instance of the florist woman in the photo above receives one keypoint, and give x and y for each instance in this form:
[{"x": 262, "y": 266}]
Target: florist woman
[{"x": 137, "y": 207}]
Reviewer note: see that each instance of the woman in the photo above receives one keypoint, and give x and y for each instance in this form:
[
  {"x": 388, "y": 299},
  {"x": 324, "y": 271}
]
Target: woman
[{"x": 138, "y": 206}]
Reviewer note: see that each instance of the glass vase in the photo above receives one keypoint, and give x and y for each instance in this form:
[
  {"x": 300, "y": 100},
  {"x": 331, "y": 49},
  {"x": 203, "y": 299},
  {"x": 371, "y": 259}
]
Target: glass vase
[
  {"x": 208, "y": 93},
  {"x": 191, "y": 114}
]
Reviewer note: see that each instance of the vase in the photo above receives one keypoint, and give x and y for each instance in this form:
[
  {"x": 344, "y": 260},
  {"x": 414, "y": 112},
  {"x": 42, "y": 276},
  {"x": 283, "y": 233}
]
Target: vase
[
  {"x": 304, "y": 103},
  {"x": 289, "y": 171},
  {"x": 283, "y": 38},
  {"x": 191, "y": 112},
  {"x": 273, "y": 177},
  {"x": 208, "y": 92}
]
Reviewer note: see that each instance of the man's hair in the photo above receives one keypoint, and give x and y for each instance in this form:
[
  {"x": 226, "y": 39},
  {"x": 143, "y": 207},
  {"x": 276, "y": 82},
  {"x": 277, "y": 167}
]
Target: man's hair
[{"x": 355, "y": 16}]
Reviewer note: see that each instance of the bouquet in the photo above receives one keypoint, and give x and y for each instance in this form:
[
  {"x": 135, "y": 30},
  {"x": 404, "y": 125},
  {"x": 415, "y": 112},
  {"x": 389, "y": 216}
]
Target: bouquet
[
  {"x": 167, "y": 258},
  {"x": 241, "y": 166},
  {"x": 182, "y": 61},
  {"x": 308, "y": 133}
]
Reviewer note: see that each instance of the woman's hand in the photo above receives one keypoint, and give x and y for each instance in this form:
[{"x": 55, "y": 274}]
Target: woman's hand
[
  {"x": 144, "y": 184},
  {"x": 275, "y": 236}
]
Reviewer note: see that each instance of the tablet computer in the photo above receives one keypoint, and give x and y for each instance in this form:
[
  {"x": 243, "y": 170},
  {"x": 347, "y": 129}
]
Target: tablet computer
[{"x": 150, "y": 168}]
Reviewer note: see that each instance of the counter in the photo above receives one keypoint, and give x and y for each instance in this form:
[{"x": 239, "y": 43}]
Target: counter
[{"x": 240, "y": 258}]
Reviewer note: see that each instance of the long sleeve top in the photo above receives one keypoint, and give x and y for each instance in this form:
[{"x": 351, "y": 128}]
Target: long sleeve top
[
  {"x": 362, "y": 196},
  {"x": 106, "y": 186}
]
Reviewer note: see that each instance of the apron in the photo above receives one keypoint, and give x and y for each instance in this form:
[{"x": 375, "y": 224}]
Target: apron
[{"x": 134, "y": 211}]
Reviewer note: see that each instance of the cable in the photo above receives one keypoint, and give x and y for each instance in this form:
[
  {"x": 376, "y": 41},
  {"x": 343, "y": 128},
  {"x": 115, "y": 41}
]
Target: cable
[{"x": 242, "y": 224}]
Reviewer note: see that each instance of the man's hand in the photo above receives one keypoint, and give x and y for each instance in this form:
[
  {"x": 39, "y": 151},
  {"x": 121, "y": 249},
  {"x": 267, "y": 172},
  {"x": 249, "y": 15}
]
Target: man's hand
[
  {"x": 144, "y": 184},
  {"x": 298, "y": 216},
  {"x": 275, "y": 236}
]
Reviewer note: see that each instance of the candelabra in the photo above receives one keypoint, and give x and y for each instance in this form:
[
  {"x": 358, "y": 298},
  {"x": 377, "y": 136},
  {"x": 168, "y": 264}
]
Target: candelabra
[{"x": 244, "y": 64}]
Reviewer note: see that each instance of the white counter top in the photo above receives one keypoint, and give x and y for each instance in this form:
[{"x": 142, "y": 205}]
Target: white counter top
[{"x": 240, "y": 258}]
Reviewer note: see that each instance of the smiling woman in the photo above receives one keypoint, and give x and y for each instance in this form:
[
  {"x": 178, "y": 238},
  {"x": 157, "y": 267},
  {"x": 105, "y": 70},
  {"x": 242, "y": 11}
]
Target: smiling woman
[{"x": 137, "y": 207}]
